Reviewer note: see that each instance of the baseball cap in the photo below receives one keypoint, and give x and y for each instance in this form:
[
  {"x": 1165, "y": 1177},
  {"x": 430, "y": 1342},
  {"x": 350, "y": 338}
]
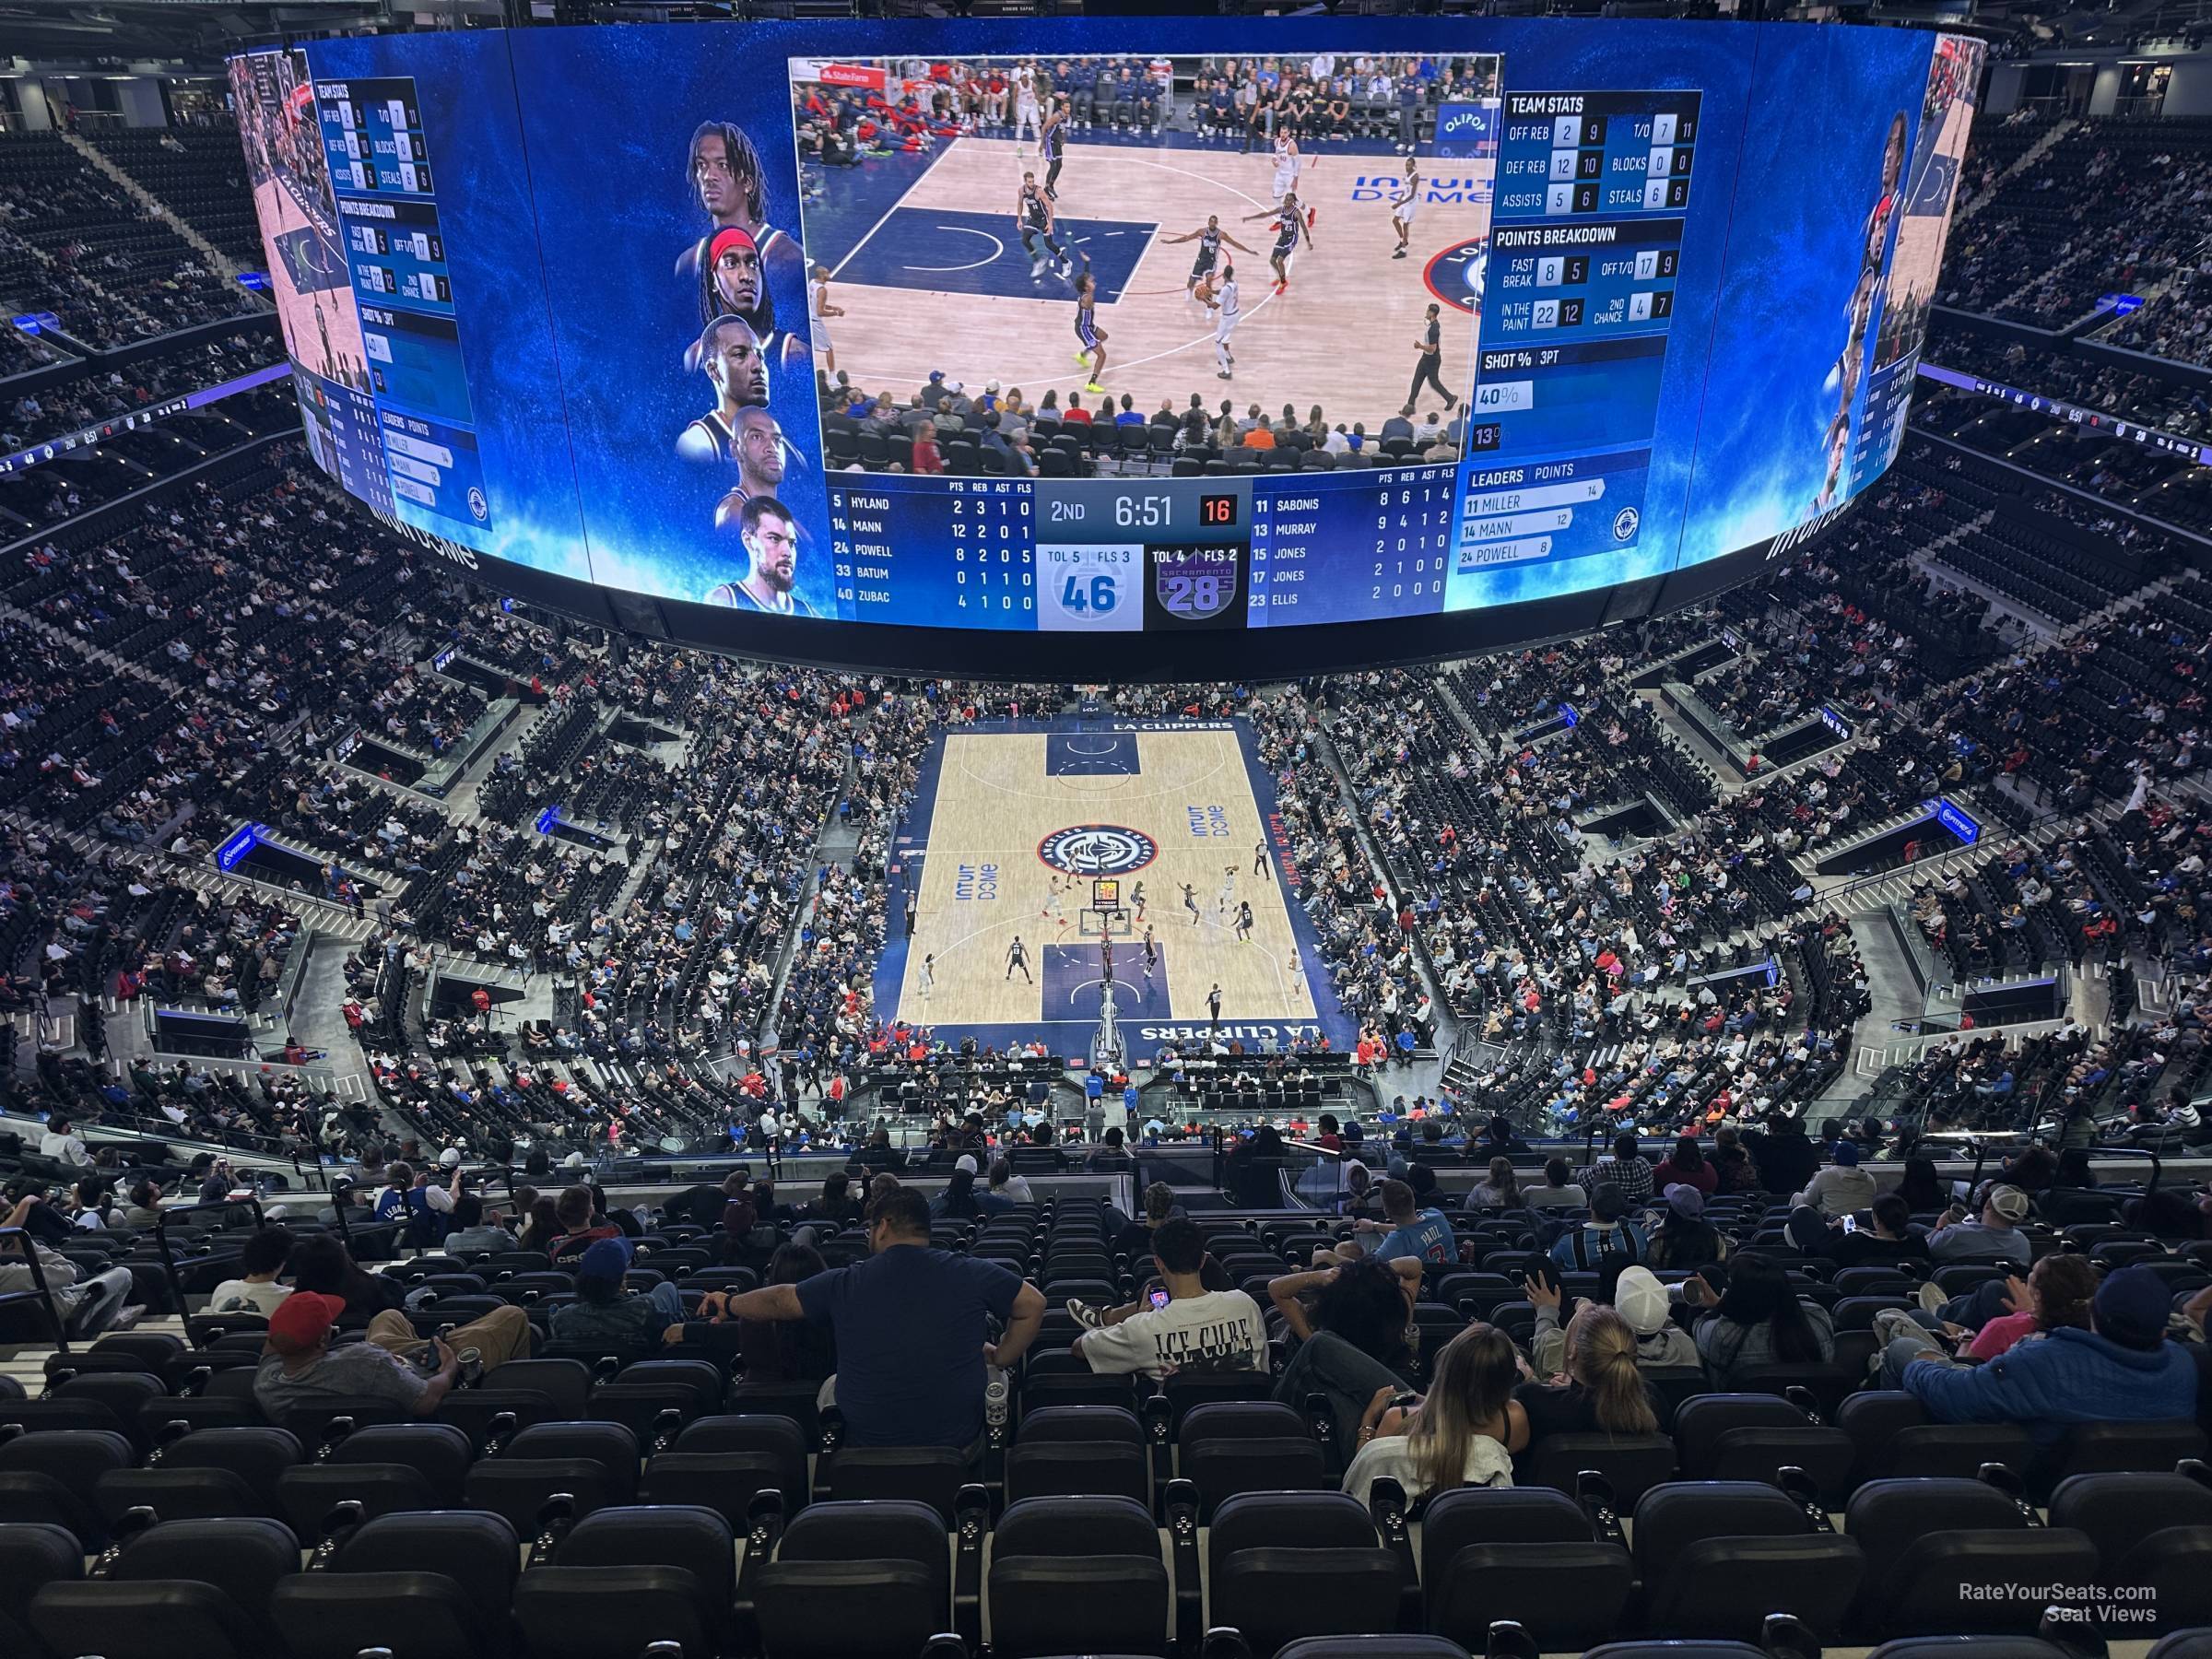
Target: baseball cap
[
  {"x": 2131, "y": 1306},
  {"x": 609, "y": 1259},
  {"x": 1640, "y": 1298},
  {"x": 1608, "y": 1202},
  {"x": 965, "y": 1161},
  {"x": 1685, "y": 1199},
  {"x": 1847, "y": 1154},
  {"x": 302, "y": 1319},
  {"x": 2010, "y": 1203},
  {"x": 450, "y": 1158},
  {"x": 574, "y": 1160},
  {"x": 990, "y": 385}
]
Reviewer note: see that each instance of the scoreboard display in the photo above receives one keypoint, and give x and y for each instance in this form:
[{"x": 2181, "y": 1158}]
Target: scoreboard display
[{"x": 1487, "y": 329}]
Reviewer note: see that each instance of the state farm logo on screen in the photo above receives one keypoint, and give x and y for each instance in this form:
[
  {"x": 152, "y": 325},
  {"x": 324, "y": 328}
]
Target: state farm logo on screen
[
  {"x": 1098, "y": 849},
  {"x": 1456, "y": 276}
]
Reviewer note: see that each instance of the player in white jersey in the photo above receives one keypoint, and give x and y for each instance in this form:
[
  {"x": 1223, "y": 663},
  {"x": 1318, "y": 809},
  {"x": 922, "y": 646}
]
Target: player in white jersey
[
  {"x": 1228, "y": 889},
  {"x": 1027, "y": 113},
  {"x": 1052, "y": 903},
  {"x": 1288, "y": 164},
  {"x": 820, "y": 311},
  {"x": 1227, "y": 312},
  {"x": 1404, "y": 205}
]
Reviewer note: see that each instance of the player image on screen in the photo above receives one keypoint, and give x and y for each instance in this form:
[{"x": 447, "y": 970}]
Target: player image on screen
[
  {"x": 1883, "y": 211},
  {"x": 733, "y": 283},
  {"x": 1146, "y": 170},
  {"x": 760, "y": 460},
  {"x": 770, "y": 540},
  {"x": 729, "y": 354}
]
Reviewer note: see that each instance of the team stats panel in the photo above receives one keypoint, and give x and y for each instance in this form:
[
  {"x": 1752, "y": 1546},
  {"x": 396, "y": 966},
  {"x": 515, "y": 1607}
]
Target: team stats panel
[
  {"x": 383, "y": 175},
  {"x": 1585, "y": 252}
]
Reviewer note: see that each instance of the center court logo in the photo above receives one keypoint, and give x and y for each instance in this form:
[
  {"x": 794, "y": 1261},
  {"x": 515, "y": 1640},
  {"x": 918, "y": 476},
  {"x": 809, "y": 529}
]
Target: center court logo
[
  {"x": 1098, "y": 849},
  {"x": 1456, "y": 276}
]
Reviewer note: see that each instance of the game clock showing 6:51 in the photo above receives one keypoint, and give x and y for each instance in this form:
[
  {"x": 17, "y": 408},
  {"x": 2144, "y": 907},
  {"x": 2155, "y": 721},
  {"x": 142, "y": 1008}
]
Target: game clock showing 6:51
[{"x": 1154, "y": 555}]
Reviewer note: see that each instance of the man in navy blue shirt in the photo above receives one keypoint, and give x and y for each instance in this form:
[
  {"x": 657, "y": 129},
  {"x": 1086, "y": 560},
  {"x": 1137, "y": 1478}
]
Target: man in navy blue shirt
[{"x": 913, "y": 1343}]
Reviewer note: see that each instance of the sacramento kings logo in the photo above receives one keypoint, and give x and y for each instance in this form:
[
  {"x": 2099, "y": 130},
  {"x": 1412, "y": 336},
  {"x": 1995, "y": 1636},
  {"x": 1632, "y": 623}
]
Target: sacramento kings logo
[{"x": 1098, "y": 849}]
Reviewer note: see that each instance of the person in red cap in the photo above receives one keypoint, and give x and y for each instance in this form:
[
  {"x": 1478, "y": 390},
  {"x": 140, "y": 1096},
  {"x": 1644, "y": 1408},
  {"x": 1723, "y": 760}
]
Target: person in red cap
[{"x": 299, "y": 1368}]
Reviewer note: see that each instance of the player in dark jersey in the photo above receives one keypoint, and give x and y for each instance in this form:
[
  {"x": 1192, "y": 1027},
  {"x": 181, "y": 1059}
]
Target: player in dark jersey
[
  {"x": 1877, "y": 231},
  {"x": 1209, "y": 241},
  {"x": 1088, "y": 335},
  {"x": 729, "y": 353},
  {"x": 1052, "y": 144},
  {"x": 1033, "y": 212},
  {"x": 1290, "y": 226},
  {"x": 771, "y": 547}
]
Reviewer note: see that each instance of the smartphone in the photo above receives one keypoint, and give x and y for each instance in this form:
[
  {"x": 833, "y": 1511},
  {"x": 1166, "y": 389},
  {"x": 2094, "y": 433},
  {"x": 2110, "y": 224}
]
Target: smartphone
[
  {"x": 1851, "y": 1224},
  {"x": 1158, "y": 1298}
]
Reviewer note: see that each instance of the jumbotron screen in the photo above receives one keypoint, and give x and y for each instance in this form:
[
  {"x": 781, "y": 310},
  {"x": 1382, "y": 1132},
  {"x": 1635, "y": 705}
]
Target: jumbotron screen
[{"x": 1414, "y": 334}]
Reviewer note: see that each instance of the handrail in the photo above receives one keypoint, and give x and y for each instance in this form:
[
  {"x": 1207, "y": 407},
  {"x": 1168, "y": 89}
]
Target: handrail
[{"x": 41, "y": 1291}]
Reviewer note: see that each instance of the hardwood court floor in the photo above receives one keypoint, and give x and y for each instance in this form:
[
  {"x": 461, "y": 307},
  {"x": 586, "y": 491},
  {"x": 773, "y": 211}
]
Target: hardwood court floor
[
  {"x": 1343, "y": 336},
  {"x": 280, "y": 216},
  {"x": 995, "y": 803}
]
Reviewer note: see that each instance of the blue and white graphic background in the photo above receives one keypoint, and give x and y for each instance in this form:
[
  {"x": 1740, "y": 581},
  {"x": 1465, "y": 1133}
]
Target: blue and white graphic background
[{"x": 565, "y": 204}]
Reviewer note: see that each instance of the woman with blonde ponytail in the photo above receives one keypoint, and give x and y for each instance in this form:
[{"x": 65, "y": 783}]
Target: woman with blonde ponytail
[{"x": 1603, "y": 1393}]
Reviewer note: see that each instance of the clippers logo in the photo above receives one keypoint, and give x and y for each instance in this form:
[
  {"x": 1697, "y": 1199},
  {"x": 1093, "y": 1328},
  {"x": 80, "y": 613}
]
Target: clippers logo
[
  {"x": 1098, "y": 849},
  {"x": 1456, "y": 276}
]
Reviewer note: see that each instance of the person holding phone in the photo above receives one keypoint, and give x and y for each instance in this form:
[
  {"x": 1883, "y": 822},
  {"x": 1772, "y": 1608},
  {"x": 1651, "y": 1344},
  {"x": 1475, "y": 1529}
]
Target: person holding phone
[{"x": 1179, "y": 1326}]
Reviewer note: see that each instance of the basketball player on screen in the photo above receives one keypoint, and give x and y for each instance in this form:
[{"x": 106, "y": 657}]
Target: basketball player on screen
[
  {"x": 1209, "y": 238},
  {"x": 1289, "y": 162},
  {"x": 1033, "y": 214},
  {"x": 1229, "y": 311},
  {"x": 1406, "y": 202},
  {"x": 771, "y": 547},
  {"x": 1027, "y": 117},
  {"x": 728, "y": 177},
  {"x": 1088, "y": 335},
  {"x": 1052, "y": 144},
  {"x": 1290, "y": 226},
  {"x": 758, "y": 445},
  {"x": 729, "y": 354},
  {"x": 732, "y": 285},
  {"x": 819, "y": 310},
  {"x": 1837, "y": 445}
]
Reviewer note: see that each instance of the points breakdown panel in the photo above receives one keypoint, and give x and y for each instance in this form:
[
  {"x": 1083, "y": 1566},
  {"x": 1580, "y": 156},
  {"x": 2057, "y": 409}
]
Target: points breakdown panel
[
  {"x": 1579, "y": 301},
  {"x": 381, "y": 174}
]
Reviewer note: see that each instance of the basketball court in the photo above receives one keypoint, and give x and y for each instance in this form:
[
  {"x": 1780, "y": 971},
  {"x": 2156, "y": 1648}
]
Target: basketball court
[
  {"x": 928, "y": 260},
  {"x": 1079, "y": 837}
]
